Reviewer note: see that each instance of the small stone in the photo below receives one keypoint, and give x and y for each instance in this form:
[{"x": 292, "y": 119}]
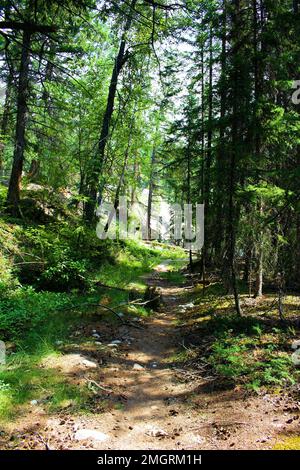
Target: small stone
[
  {"x": 116, "y": 341},
  {"x": 91, "y": 364},
  {"x": 112, "y": 345},
  {"x": 137, "y": 367},
  {"x": 98, "y": 343},
  {"x": 96, "y": 335},
  {"x": 295, "y": 345},
  {"x": 58, "y": 343},
  {"x": 296, "y": 357},
  {"x": 34, "y": 402},
  {"x": 157, "y": 433}
]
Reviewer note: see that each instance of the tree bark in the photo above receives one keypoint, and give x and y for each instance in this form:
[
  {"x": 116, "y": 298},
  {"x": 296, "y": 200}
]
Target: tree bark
[
  {"x": 5, "y": 115},
  {"x": 96, "y": 170},
  {"x": 233, "y": 212},
  {"x": 13, "y": 197},
  {"x": 150, "y": 195}
]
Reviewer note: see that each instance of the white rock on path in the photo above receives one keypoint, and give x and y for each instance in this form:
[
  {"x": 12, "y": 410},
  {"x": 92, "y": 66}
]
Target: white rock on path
[
  {"x": 137, "y": 367},
  {"x": 82, "y": 434},
  {"x": 90, "y": 364},
  {"x": 157, "y": 433},
  {"x": 296, "y": 357},
  {"x": 295, "y": 345}
]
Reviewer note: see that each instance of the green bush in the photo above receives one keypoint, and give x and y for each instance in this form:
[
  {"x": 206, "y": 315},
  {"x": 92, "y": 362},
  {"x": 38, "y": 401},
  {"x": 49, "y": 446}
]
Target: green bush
[
  {"x": 7, "y": 280},
  {"x": 250, "y": 360},
  {"x": 25, "y": 309}
]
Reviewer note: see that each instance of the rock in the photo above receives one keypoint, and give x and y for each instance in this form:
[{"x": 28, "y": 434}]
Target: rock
[
  {"x": 98, "y": 343},
  {"x": 154, "y": 365},
  {"x": 137, "y": 367},
  {"x": 157, "y": 433},
  {"x": 94, "y": 331},
  {"x": 90, "y": 364},
  {"x": 296, "y": 357},
  {"x": 83, "y": 434},
  {"x": 58, "y": 343},
  {"x": 34, "y": 402},
  {"x": 116, "y": 341},
  {"x": 295, "y": 345},
  {"x": 112, "y": 345},
  {"x": 96, "y": 335}
]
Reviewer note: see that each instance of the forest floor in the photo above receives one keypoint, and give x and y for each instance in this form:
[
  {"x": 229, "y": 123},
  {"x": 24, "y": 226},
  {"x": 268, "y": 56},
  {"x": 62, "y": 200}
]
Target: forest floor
[{"x": 142, "y": 400}]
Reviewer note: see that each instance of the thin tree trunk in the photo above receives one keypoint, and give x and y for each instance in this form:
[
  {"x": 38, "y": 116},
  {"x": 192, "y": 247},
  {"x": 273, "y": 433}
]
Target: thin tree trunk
[
  {"x": 189, "y": 197},
  {"x": 150, "y": 195},
  {"x": 13, "y": 196},
  {"x": 233, "y": 215},
  {"x": 220, "y": 154},
  {"x": 5, "y": 115},
  {"x": 95, "y": 174},
  {"x": 257, "y": 144}
]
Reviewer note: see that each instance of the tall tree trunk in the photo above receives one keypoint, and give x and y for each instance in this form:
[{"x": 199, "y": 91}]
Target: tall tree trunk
[
  {"x": 13, "y": 196},
  {"x": 221, "y": 151},
  {"x": 96, "y": 170},
  {"x": 5, "y": 115},
  {"x": 208, "y": 161},
  {"x": 189, "y": 199},
  {"x": 233, "y": 212},
  {"x": 202, "y": 273},
  {"x": 257, "y": 144},
  {"x": 150, "y": 195}
]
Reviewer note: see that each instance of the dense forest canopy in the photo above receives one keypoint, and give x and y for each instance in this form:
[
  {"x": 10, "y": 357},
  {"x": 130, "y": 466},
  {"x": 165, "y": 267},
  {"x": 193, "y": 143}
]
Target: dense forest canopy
[{"x": 195, "y": 101}]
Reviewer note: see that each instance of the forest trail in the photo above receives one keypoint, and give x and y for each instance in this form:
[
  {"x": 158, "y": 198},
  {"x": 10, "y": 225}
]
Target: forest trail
[
  {"x": 161, "y": 408},
  {"x": 153, "y": 415},
  {"x": 143, "y": 402}
]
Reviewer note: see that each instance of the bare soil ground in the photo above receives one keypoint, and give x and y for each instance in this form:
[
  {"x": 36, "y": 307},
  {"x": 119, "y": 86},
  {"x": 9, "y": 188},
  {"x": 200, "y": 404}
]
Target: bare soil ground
[{"x": 141, "y": 402}]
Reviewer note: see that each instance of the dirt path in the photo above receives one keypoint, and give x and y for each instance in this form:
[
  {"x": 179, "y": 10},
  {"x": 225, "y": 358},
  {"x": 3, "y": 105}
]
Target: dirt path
[
  {"x": 152, "y": 415},
  {"x": 157, "y": 408}
]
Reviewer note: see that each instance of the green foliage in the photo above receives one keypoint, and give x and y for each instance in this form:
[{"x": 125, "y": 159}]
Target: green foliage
[
  {"x": 254, "y": 360},
  {"x": 7, "y": 280},
  {"x": 25, "y": 309}
]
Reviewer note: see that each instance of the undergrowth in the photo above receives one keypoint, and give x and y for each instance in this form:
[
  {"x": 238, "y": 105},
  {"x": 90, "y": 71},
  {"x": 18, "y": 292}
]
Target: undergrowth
[
  {"x": 51, "y": 280},
  {"x": 253, "y": 351}
]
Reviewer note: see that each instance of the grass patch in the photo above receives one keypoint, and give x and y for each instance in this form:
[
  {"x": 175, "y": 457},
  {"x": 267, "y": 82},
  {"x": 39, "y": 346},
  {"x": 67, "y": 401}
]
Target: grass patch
[{"x": 252, "y": 351}]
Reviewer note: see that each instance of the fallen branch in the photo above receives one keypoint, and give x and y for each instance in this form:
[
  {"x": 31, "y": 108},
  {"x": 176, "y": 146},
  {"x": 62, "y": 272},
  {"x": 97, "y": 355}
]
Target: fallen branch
[{"x": 93, "y": 382}]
